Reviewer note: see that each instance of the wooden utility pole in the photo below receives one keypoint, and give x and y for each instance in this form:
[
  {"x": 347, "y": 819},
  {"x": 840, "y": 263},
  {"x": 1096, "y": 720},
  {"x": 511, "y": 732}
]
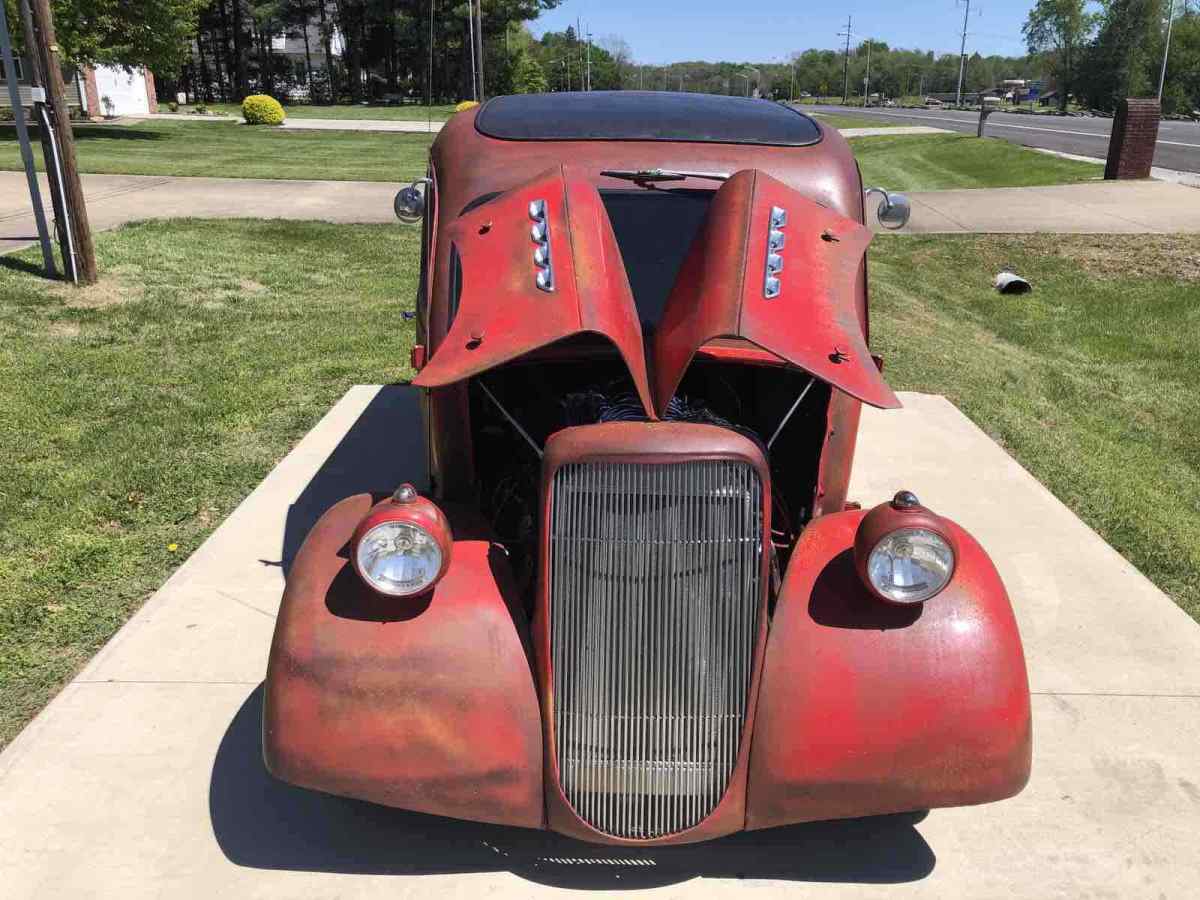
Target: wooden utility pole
[{"x": 81, "y": 233}]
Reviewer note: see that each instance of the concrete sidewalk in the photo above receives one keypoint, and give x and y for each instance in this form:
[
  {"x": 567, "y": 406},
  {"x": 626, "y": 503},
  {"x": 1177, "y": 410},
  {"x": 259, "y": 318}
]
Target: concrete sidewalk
[
  {"x": 304, "y": 124},
  {"x": 1102, "y": 207},
  {"x": 886, "y": 131},
  {"x": 114, "y": 200},
  {"x": 144, "y": 777},
  {"x": 401, "y": 125}
]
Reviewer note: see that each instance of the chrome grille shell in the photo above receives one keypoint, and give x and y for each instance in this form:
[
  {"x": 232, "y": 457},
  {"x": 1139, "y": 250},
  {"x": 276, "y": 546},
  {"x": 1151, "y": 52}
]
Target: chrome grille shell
[{"x": 655, "y": 597}]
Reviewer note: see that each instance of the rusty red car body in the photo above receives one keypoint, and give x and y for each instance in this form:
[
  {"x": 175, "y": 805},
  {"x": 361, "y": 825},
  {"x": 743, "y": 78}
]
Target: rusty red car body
[{"x": 642, "y": 335}]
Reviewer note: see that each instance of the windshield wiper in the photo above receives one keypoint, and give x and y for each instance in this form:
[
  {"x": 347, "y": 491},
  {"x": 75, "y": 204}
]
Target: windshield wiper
[{"x": 652, "y": 176}]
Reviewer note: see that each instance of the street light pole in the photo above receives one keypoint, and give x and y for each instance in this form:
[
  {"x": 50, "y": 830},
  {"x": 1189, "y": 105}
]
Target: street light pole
[{"x": 1162, "y": 76}]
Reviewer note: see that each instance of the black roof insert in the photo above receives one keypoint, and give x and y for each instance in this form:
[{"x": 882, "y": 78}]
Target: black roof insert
[{"x": 645, "y": 116}]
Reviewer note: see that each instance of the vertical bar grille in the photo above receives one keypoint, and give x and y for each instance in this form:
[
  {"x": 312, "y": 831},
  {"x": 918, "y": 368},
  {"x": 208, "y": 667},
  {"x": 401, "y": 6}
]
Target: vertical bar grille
[{"x": 654, "y": 591}]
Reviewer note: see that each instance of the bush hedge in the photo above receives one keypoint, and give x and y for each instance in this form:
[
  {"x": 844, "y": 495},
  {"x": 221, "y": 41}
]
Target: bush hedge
[{"x": 261, "y": 109}]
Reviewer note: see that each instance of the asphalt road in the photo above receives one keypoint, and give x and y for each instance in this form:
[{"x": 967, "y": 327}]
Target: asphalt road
[{"x": 1178, "y": 142}]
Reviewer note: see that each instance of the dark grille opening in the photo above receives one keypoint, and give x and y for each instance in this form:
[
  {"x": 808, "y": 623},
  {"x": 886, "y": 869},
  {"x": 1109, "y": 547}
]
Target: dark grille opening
[{"x": 654, "y": 592}]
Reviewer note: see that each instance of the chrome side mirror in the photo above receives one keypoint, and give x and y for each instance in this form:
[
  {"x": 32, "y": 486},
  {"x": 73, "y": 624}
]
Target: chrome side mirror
[
  {"x": 409, "y": 204},
  {"x": 893, "y": 210}
]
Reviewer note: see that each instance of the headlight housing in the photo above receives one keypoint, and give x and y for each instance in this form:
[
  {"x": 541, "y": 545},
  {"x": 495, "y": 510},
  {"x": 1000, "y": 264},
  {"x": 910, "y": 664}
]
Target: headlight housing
[
  {"x": 903, "y": 552},
  {"x": 402, "y": 547}
]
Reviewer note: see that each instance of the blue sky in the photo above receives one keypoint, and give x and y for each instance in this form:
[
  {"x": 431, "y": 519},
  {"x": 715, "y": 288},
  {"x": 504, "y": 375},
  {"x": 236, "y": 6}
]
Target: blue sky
[{"x": 662, "y": 31}]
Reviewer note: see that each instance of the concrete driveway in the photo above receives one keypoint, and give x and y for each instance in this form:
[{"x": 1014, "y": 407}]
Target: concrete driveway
[{"x": 144, "y": 778}]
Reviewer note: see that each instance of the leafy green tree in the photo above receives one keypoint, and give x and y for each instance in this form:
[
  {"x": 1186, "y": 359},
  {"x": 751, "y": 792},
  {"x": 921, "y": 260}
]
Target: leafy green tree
[
  {"x": 1058, "y": 29},
  {"x": 1119, "y": 62},
  {"x": 528, "y": 77},
  {"x": 1181, "y": 91},
  {"x": 152, "y": 33}
]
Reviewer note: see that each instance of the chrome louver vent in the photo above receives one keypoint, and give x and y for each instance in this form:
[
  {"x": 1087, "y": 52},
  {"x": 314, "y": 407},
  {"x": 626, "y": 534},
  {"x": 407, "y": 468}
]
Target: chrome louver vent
[{"x": 654, "y": 592}]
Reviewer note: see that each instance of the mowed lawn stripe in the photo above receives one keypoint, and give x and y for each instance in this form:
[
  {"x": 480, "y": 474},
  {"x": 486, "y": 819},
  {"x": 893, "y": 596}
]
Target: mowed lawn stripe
[{"x": 231, "y": 150}]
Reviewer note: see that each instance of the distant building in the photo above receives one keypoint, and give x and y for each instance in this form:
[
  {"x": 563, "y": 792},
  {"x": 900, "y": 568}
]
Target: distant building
[
  {"x": 291, "y": 45},
  {"x": 99, "y": 91}
]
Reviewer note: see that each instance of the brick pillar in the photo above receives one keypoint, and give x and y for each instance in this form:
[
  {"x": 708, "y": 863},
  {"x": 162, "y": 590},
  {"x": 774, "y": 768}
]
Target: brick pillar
[
  {"x": 1134, "y": 132},
  {"x": 91, "y": 92},
  {"x": 151, "y": 90}
]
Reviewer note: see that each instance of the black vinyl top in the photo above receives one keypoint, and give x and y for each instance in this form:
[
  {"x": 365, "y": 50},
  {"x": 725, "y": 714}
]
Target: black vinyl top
[{"x": 645, "y": 116}]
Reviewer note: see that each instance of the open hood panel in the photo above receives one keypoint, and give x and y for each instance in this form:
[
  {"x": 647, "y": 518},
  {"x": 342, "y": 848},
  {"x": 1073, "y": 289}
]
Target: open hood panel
[
  {"x": 503, "y": 313},
  {"x": 805, "y": 313}
]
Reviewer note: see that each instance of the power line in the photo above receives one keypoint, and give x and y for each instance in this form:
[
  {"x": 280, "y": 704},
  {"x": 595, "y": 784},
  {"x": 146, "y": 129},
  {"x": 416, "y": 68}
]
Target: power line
[{"x": 846, "y": 63}]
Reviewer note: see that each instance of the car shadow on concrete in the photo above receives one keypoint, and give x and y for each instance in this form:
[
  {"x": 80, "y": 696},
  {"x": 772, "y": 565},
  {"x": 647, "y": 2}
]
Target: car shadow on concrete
[
  {"x": 260, "y": 822},
  {"x": 384, "y": 447}
]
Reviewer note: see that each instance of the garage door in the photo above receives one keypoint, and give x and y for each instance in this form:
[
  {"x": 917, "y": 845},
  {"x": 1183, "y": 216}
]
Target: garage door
[{"x": 125, "y": 91}]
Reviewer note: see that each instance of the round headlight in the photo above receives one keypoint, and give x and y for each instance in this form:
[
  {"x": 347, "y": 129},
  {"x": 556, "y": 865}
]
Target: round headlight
[
  {"x": 910, "y": 565},
  {"x": 398, "y": 558}
]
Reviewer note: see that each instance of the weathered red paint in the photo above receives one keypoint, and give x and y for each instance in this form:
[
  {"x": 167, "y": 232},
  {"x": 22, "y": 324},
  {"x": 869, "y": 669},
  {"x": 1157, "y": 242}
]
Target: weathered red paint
[
  {"x": 502, "y": 313},
  {"x": 425, "y": 703},
  {"x": 419, "y": 511},
  {"x": 867, "y": 708},
  {"x": 662, "y": 443},
  {"x": 813, "y": 323},
  {"x": 468, "y": 165},
  {"x": 444, "y": 703}
]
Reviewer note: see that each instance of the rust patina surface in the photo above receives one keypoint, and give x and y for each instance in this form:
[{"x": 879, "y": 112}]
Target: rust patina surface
[{"x": 445, "y": 702}]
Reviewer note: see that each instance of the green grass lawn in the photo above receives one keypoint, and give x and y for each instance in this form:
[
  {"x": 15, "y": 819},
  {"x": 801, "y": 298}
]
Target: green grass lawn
[
  {"x": 227, "y": 149},
  {"x": 929, "y": 162},
  {"x": 849, "y": 120},
  {"x": 230, "y": 150},
  {"x": 136, "y": 414},
  {"x": 414, "y": 113},
  {"x": 1092, "y": 381}
]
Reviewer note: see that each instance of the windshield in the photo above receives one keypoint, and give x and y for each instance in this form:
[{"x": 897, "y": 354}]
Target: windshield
[{"x": 654, "y": 230}]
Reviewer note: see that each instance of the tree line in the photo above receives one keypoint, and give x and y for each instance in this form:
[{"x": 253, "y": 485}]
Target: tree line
[
  {"x": 358, "y": 50},
  {"x": 352, "y": 50},
  {"x": 1099, "y": 57}
]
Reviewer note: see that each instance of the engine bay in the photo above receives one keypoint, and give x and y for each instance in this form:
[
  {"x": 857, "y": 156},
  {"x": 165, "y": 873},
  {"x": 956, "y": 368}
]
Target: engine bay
[{"x": 516, "y": 408}]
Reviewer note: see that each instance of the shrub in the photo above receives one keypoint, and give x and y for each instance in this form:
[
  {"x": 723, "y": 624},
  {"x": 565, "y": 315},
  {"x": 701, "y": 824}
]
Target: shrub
[
  {"x": 528, "y": 77},
  {"x": 173, "y": 106},
  {"x": 465, "y": 105},
  {"x": 261, "y": 109}
]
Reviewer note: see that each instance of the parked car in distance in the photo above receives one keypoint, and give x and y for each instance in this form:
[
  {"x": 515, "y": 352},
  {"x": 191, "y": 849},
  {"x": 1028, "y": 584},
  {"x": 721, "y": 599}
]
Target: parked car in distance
[{"x": 634, "y": 604}]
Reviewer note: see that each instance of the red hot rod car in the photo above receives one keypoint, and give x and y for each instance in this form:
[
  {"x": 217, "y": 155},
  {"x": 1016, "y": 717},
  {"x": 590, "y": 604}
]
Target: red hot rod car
[{"x": 634, "y": 605}]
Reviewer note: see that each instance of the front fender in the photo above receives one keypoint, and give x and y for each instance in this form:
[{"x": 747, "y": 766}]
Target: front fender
[
  {"x": 425, "y": 704},
  {"x": 867, "y": 709}
]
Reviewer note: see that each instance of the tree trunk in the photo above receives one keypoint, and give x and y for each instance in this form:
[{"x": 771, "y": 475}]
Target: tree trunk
[
  {"x": 327, "y": 41},
  {"x": 205, "y": 88},
  {"x": 229, "y": 85},
  {"x": 239, "y": 53},
  {"x": 307, "y": 58},
  {"x": 479, "y": 48}
]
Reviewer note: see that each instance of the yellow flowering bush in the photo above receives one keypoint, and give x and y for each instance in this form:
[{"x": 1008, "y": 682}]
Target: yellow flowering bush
[{"x": 261, "y": 109}]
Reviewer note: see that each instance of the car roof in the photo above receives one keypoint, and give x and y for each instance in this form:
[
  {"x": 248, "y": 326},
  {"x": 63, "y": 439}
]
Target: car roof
[{"x": 645, "y": 116}]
